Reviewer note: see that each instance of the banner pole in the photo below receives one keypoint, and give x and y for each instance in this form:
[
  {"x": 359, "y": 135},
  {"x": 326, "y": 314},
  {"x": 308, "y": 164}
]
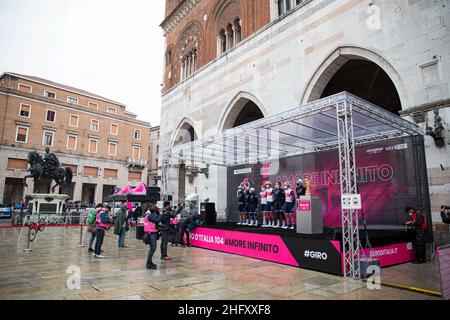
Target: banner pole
[{"x": 81, "y": 245}]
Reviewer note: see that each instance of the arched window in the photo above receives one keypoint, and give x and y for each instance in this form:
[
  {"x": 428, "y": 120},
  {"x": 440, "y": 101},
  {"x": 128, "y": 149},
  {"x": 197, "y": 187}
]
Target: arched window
[
  {"x": 188, "y": 51},
  {"x": 169, "y": 58},
  {"x": 238, "y": 30},
  {"x": 222, "y": 42},
  {"x": 285, "y": 6},
  {"x": 230, "y": 36},
  {"x": 189, "y": 64}
]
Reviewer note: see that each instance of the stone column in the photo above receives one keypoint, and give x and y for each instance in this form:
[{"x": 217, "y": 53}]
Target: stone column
[
  {"x": 187, "y": 67},
  {"x": 182, "y": 70},
  {"x": 227, "y": 39},
  {"x": 99, "y": 192},
  {"x": 273, "y": 9},
  {"x": 194, "y": 61},
  {"x": 2, "y": 188},
  {"x": 219, "y": 46},
  {"x": 77, "y": 192},
  {"x": 29, "y": 189}
]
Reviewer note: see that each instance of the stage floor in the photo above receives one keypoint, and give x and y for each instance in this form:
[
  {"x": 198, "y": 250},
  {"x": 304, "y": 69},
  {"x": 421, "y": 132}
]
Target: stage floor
[{"x": 320, "y": 252}]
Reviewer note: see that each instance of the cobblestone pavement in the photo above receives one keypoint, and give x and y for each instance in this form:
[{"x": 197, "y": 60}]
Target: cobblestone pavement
[{"x": 194, "y": 274}]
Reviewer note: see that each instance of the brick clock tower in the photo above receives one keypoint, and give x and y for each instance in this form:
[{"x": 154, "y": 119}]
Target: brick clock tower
[{"x": 198, "y": 31}]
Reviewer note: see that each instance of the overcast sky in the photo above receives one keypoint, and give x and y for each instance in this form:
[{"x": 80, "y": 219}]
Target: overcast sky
[{"x": 113, "y": 48}]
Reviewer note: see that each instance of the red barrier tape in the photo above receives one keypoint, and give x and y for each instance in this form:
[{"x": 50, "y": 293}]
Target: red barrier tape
[
  {"x": 61, "y": 226},
  {"x": 57, "y": 226}
]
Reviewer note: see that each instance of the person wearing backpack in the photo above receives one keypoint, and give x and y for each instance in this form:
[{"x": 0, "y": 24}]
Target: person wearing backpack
[
  {"x": 91, "y": 222},
  {"x": 121, "y": 226},
  {"x": 151, "y": 221},
  {"x": 102, "y": 223}
]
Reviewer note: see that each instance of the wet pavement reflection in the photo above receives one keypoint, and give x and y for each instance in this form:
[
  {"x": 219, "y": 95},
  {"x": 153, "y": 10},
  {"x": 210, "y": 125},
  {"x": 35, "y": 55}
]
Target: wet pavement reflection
[{"x": 195, "y": 274}]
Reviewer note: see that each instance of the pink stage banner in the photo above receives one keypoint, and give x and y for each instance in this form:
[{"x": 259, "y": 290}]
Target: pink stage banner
[
  {"x": 254, "y": 245},
  {"x": 393, "y": 254}
]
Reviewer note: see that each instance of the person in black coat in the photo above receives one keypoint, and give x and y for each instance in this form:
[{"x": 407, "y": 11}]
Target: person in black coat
[
  {"x": 279, "y": 199},
  {"x": 175, "y": 227},
  {"x": 187, "y": 226},
  {"x": 300, "y": 189},
  {"x": 165, "y": 230},
  {"x": 154, "y": 217},
  {"x": 247, "y": 206},
  {"x": 253, "y": 204},
  {"x": 241, "y": 203}
]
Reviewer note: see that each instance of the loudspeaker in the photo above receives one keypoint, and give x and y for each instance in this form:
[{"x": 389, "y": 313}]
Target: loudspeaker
[
  {"x": 152, "y": 190},
  {"x": 154, "y": 193},
  {"x": 208, "y": 213}
]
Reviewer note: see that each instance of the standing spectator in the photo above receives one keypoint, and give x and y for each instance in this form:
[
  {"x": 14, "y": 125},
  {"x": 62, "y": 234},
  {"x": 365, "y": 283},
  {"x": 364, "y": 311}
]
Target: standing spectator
[
  {"x": 151, "y": 222},
  {"x": 165, "y": 230},
  {"x": 419, "y": 224},
  {"x": 91, "y": 222},
  {"x": 175, "y": 227},
  {"x": 187, "y": 226},
  {"x": 185, "y": 232},
  {"x": 102, "y": 223},
  {"x": 121, "y": 226}
]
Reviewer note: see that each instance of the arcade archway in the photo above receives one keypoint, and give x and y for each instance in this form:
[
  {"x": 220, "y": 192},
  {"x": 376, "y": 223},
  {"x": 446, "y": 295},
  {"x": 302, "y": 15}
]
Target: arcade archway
[
  {"x": 366, "y": 80},
  {"x": 184, "y": 134},
  {"x": 361, "y": 72},
  {"x": 244, "y": 108}
]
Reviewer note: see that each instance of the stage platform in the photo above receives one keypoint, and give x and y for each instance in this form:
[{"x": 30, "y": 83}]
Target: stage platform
[{"x": 320, "y": 252}]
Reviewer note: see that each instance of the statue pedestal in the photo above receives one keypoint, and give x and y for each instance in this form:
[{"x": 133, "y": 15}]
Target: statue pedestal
[
  {"x": 309, "y": 215},
  {"x": 48, "y": 203}
]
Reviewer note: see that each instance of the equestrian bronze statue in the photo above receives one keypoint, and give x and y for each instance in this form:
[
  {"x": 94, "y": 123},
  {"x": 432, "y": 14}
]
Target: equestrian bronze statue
[{"x": 49, "y": 168}]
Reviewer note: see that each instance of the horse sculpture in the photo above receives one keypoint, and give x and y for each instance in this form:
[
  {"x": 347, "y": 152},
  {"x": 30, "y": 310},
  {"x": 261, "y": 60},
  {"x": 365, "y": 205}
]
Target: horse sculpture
[{"x": 48, "y": 169}]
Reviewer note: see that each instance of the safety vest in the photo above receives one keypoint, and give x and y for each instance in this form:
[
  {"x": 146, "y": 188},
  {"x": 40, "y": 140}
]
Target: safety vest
[
  {"x": 98, "y": 219},
  {"x": 149, "y": 227}
]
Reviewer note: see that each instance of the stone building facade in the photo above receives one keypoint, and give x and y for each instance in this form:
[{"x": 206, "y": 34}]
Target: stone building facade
[
  {"x": 395, "y": 54},
  {"x": 153, "y": 157},
  {"x": 103, "y": 143}
]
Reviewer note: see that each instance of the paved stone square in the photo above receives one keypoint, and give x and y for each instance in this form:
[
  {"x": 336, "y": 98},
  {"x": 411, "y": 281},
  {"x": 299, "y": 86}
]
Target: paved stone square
[{"x": 194, "y": 274}]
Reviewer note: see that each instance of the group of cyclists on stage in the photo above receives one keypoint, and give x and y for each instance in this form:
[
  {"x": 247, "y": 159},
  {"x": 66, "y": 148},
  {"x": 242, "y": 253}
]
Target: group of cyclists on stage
[{"x": 276, "y": 204}]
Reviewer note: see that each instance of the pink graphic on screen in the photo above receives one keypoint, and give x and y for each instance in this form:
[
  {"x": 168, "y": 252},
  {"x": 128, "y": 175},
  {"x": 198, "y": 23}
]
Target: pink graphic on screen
[{"x": 386, "y": 181}]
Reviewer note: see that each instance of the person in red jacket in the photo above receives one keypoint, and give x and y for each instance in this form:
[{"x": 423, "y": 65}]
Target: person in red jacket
[{"x": 419, "y": 224}]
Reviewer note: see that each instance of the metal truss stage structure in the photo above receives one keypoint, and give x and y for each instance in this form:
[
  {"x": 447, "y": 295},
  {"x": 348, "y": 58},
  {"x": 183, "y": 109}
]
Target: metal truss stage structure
[{"x": 339, "y": 122}]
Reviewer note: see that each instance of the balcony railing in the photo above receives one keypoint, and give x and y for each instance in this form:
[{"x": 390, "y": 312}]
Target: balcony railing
[{"x": 132, "y": 162}]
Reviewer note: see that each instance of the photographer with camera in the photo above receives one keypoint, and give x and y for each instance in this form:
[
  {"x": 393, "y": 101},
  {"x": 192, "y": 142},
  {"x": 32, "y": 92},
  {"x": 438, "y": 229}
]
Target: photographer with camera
[
  {"x": 445, "y": 214},
  {"x": 151, "y": 221},
  {"x": 165, "y": 230},
  {"x": 418, "y": 224},
  {"x": 175, "y": 226}
]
